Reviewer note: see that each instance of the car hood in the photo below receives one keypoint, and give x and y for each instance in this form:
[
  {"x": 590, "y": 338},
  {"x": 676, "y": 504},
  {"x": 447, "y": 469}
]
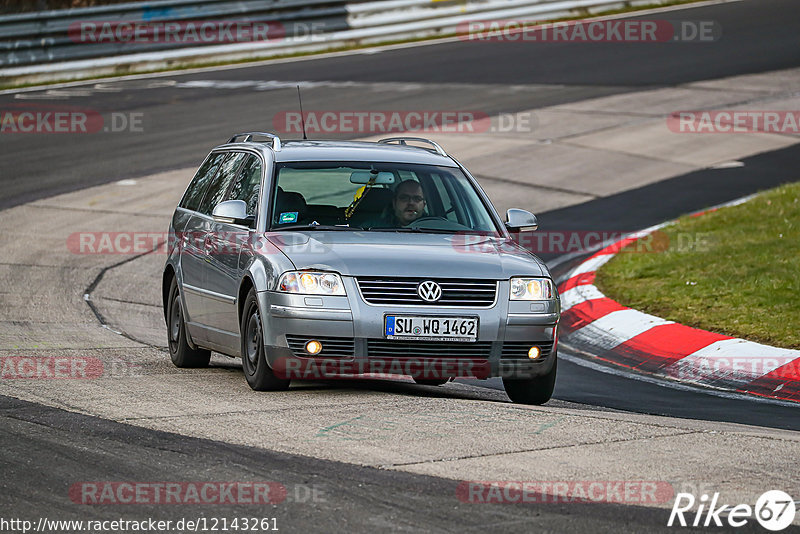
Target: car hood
[{"x": 354, "y": 253}]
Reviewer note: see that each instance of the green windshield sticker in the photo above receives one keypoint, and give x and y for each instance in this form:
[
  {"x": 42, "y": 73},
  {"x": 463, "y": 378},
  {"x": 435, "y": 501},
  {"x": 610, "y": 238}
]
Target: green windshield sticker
[{"x": 288, "y": 217}]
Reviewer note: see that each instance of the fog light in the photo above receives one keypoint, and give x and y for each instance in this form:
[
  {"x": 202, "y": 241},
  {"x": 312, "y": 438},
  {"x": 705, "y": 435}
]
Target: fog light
[
  {"x": 313, "y": 347},
  {"x": 534, "y": 352}
]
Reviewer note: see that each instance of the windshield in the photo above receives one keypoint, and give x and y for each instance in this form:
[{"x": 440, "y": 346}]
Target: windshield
[{"x": 377, "y": 197}]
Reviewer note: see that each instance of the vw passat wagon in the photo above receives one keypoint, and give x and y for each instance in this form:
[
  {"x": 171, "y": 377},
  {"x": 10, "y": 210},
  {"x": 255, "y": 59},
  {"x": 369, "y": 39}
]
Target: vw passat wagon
[{"x": 324, "y": 259}]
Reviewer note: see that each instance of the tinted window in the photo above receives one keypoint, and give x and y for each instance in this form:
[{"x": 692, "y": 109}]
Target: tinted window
[
  {"x": 219, "y": 186},
  {"x": 248, "y": 184},
  {"x": 196, "y": 190}
]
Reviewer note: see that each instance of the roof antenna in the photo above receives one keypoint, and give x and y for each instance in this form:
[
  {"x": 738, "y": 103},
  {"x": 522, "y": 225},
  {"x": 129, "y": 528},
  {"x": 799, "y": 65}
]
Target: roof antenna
[{"x": 302, "y": 117}]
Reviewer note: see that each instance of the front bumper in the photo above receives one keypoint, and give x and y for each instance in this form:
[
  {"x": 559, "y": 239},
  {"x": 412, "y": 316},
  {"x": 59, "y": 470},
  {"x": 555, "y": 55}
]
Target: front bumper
[{"x": 354, "y": 331}]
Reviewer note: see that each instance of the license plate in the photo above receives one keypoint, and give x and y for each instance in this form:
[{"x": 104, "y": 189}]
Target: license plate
[{"x": 414, "y": 327}]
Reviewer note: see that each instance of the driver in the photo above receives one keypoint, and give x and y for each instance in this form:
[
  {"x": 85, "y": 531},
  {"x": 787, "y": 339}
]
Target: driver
[{"x": 408, "y": 203}]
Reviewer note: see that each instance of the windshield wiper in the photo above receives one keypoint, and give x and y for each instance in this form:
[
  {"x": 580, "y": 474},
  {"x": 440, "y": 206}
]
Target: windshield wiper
[
  {"x": 315, "y": 227},
  {"x": 417, "y": 230}
]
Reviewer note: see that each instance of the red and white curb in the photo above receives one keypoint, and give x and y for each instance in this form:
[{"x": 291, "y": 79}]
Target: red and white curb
[{"x": 655, "y": 346}]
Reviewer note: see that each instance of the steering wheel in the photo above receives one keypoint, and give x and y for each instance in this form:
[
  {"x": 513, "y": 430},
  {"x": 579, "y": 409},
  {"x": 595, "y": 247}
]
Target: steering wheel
[{"x": 428, "y": 218}]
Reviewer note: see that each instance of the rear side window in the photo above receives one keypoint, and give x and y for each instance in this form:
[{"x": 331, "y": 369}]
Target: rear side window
[
  {"x": 219, "y": 186},
  {"x": 196, "y": 190},
  {"x": 248, "y": 184}
]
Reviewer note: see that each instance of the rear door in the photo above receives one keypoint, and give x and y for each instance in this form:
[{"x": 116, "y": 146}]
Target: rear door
[
  {"x": 226, "y": 242},
  {"x": 197, "y": 259},
  {"x": 192, "y": 256}
]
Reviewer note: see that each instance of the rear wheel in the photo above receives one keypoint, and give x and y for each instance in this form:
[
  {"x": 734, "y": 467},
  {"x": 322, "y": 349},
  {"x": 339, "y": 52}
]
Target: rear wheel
[
  {"x": 181, "y": 353},
  {"x": 537, "y": 390},
  {"x": 254, "y": 362}
]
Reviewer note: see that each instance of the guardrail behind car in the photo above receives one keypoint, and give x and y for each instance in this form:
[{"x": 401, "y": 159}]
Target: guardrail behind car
[
  {"x": 49, "y": 45},
  {"x": 52, "y": 36}
]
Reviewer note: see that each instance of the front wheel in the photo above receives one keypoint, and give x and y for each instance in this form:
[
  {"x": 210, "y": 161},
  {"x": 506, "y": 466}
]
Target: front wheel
[
  {"x": 180, "y": 352},
  {"x": 537, "y": 390},
  {"x": 254, "y": 362}
]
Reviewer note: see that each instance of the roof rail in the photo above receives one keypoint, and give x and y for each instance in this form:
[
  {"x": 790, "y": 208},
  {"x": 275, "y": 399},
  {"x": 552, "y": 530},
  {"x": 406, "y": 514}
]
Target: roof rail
[
  {"x": 402, "y": 141},
  {"x": 248, "y": 137}
]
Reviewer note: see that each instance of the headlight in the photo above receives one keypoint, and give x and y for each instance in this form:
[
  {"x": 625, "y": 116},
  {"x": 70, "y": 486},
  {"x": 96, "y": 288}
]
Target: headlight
[
  {"x": 311, "y": 283},
  {"x": 531, "y": 289}
]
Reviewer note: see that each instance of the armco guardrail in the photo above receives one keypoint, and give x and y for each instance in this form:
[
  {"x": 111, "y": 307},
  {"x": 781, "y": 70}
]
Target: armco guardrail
[
  {"x": 53, "y": 36},
  {"x": 46, "y": 46}
]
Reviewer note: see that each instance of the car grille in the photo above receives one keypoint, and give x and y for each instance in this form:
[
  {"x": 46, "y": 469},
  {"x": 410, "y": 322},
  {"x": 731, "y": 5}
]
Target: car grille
[
  {"x": 518, "y": 350},
  {"x": 378, "y": 348},
  {"x": 334, "y": 347},
  {"x": 455, "y": 292}
]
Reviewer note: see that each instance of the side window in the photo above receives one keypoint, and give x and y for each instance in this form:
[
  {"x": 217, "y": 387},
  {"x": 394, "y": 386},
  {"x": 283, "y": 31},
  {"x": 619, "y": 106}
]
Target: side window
[
  {"x": 216, "y": 192},
  {"x": 194, "y": 193},
  {"x": 248, "y": 184}
]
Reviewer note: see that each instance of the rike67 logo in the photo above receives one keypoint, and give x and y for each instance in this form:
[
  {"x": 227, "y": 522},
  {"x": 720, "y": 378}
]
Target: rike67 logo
[{"x": 774, "y": 510}]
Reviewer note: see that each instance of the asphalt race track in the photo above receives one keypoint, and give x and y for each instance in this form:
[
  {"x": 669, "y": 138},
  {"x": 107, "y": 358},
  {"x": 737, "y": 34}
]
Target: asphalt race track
[
  {"x": 356, "y": 499},
  {"x": 48, "y": 442}
]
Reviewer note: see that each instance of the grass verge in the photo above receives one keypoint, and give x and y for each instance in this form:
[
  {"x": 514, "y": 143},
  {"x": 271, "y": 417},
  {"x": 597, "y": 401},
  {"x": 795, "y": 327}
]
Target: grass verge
[{"x": 735, "y": 271}]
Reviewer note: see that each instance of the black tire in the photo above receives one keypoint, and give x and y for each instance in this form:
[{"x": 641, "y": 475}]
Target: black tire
[
  {"x": 180, "y": 352},
  {"x": 536, "y": 390},
  {"x": 257, "y": 372},
  {"x": 431, "y": 381}
]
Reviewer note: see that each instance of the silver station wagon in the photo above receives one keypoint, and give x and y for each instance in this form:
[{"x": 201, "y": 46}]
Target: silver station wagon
[{"x": 333, "y": 259}]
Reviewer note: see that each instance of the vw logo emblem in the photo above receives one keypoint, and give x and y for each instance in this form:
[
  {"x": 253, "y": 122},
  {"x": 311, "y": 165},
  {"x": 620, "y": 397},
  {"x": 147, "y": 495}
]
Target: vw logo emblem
[{"x": 429, "y": 291}]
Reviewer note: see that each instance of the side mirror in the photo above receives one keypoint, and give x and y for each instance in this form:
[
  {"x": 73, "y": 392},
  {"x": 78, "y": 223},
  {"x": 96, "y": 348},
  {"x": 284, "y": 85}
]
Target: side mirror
[
  {"x": 518, "y": 220},
  {"x": 232, "y": 212}
]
